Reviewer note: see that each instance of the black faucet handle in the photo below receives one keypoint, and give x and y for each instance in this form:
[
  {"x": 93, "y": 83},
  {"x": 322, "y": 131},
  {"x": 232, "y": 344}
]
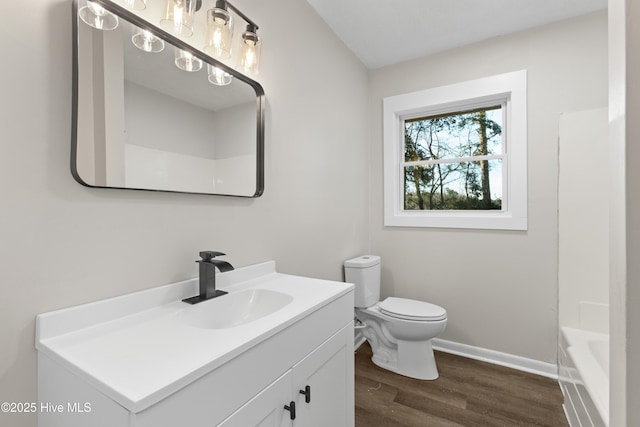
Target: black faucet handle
[{"x": 209, "y": 255}]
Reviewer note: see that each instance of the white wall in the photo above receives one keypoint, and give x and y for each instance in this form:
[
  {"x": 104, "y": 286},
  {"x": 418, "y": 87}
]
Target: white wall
[
  {"x": 583, "y": 221},
  {"x": 62, "y": 244},
  {"x": 499, "y": 287},
  {"x": 236, "y": 129},
  {"x": 178, "y": 146},
  {"x": 624, "y": 132},
  {"x": 158, "y": 121},
  {"x": 158, "y": 169}
]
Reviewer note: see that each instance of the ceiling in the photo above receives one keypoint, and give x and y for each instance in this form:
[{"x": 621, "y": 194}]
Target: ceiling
[{"x": 384, "y": 32}]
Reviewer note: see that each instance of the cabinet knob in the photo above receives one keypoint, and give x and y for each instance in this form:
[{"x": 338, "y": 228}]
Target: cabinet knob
[
  {"x": 291, "y": 407},
  {"x": 307, "y": 394}
]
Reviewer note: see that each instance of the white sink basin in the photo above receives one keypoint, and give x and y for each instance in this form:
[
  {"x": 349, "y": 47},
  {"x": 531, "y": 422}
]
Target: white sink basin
[
  {"x": 235, "y": 309},
  {"x": 119, "y": 344}
]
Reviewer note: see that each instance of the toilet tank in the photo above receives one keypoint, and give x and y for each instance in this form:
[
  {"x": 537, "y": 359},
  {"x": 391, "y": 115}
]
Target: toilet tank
[{"x": 364, "y": 273}]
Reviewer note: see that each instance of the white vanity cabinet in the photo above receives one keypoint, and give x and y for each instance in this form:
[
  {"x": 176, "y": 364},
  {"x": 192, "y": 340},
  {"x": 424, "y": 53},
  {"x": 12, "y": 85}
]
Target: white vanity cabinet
[
  {"x": 267, "y": 408},
  {"x": 317, "y": 391},
  {"x": 328, "y": 372},
  {"x": 149, "y": 370}
]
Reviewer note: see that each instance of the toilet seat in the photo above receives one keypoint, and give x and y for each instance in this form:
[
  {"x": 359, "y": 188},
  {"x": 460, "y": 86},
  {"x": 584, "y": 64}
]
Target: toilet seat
[{"x": 409, "y": 309}]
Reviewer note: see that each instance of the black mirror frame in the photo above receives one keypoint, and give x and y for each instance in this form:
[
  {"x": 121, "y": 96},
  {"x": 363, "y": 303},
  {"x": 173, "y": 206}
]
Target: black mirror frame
[{"x": 135, "y": 20}]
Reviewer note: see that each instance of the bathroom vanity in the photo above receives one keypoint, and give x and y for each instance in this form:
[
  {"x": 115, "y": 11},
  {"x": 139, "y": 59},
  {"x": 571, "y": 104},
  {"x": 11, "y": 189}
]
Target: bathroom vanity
[{"x": 276, "y": 351}]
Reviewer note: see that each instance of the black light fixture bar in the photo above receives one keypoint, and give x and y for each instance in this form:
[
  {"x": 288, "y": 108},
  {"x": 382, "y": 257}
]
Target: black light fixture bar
[{"x": 242, "y": 15}]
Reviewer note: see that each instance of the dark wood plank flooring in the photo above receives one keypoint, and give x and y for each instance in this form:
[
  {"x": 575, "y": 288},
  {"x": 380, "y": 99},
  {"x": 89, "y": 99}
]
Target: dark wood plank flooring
[{"x": 468, "y": 393}]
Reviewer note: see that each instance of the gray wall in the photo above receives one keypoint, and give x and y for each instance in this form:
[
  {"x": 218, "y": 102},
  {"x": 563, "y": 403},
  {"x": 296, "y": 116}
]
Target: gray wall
[
  {"x": 62, "y": 244},
  {"x": 499, "y": 287}
]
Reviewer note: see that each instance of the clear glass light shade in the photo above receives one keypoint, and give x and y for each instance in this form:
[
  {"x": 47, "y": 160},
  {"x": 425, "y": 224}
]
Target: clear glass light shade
[
  {"x": 144, "y": 40},
  {"x": 178, "y": 17},
  {"x": 249, "y": 56},
  {"x": 97, "y": 16},
  {"x": 186, "y": 61},
  {"x": 217, "y": 76},
  {"x": 135, "y": 4},
  {"x": 219, "y": 33}
]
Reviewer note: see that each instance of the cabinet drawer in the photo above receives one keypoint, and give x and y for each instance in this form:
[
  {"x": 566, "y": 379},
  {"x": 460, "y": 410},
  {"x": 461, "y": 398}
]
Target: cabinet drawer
[{"x": 210, "y": 399}]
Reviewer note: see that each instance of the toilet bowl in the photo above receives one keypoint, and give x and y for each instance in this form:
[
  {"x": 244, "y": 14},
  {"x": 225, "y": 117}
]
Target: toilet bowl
[{"x": 399, "y": 330}]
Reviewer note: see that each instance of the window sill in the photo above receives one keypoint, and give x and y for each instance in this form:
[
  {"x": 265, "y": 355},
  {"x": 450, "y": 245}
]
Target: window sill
[{"x": 451, "y": 219}]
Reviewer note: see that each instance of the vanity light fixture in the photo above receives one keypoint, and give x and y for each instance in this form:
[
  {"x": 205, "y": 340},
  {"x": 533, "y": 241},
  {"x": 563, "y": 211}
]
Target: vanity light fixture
[
  {"x": 187, "y": 61},
  {"x": 219, "y": 31},
  {"x": 220, "y": 36},
  {"x": 178, "y": 19},
  {"x": 178, "y": 16},
  {"x": 217, "y": 76},
  {"x": 145, "y": 40},
  {"x": 97, "y": 16},
  {"x": 249, "y": 60}
]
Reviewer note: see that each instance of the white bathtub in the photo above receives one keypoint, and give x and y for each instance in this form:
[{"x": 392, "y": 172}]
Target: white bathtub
[{"x": 583, "y": 364}]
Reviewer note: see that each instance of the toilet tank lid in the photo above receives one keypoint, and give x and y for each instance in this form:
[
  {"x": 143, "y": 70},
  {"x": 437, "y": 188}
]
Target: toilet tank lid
[{"x": 363, "y": 261}]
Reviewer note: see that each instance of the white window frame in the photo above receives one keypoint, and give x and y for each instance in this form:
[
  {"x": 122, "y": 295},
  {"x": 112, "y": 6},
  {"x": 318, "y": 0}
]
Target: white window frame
[{"x": 510, "y": 90}]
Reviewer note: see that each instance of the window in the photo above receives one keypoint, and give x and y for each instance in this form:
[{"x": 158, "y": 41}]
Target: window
[
  {"x": 455, "y": 156},
  {"x": 454, "y": 161}
]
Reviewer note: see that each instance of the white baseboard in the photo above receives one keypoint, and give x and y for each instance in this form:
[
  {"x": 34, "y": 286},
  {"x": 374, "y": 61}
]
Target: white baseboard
[{"x": 520, "y": 363}]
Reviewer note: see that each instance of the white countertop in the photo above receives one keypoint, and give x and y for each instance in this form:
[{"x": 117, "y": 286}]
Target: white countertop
[{"x": 135, "y": 349}]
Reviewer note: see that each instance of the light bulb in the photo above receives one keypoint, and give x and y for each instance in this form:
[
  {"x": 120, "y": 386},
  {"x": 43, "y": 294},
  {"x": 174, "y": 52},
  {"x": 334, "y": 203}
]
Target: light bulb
[
  {"x": 249, "y": 56},
  {"x": 217, "y": 76},
  {"x": 96, "y": 16},
  {"x": 145, "y": 40},
  {"x": 249, "y": 60},
  {"x": 178, "y": 17},
  {"x": 186, "y": 61},
  {"x": 219, "y": 33}
]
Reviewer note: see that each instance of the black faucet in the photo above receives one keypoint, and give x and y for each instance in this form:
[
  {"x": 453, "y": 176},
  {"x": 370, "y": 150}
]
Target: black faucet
[{"x": 208, "y": 276}]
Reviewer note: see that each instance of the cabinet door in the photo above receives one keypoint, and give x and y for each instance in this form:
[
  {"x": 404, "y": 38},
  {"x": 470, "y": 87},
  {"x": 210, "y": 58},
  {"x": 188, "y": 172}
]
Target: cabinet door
[
  {"x": 266, "y": 409},
  {"x": 328, "y": 373}
]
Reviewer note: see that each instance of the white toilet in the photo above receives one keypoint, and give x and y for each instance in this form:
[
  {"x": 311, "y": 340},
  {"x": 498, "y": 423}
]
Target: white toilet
[{"x": 399, "y": 330}]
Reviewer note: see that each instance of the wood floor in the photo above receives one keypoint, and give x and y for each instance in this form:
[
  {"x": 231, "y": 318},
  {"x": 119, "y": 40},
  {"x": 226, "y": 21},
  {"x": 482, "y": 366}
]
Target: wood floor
[{"x": 468, "y": 393}]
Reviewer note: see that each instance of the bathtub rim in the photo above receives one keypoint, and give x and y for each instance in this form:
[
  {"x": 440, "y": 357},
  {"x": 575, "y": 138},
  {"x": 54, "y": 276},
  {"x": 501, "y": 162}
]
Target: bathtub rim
[{"x": 597, "y": 380}]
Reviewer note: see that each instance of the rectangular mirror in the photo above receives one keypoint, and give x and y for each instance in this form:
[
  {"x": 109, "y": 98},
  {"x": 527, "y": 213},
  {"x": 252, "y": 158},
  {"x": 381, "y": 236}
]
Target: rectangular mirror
[{"x": 142, "y": 123}]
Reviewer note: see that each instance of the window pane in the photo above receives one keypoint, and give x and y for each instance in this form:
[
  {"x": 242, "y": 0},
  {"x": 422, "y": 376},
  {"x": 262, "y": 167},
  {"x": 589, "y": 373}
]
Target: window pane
[
  {"x": 461, "y": 134},
  {"x": 454, "y": 186}
]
